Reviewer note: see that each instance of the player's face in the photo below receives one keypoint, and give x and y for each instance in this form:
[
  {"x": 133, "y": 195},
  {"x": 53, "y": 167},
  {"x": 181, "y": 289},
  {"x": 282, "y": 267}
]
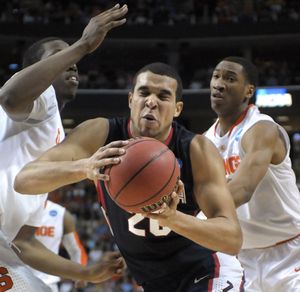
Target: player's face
[
  {"x": 230, "y": 90},
  {"x": 66, "y": 83},
  {"x": 153, "y": 105}
]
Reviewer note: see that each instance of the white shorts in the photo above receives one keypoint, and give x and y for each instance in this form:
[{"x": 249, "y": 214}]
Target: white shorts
[
  {"x": 230, "y": 276},
  {"x": 272, "y": 269},
  {"x": 15, "y": 276}
]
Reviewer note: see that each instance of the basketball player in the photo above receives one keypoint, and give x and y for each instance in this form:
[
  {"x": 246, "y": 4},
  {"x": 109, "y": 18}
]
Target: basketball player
[
  {"x": 173, "y": 250},
  {"x": 58, "y": 227},
  {"x": 30, "y": 124},
  {"x": 258, "y": 169}
]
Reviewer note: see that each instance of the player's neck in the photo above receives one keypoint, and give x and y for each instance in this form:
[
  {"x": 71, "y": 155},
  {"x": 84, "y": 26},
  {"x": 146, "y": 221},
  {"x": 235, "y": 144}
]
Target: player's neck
[{"x": 227, "y": 122}]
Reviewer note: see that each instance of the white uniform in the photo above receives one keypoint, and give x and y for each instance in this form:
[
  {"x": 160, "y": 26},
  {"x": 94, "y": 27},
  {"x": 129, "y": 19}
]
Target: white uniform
[
  {"x": 272, "y": 215},
  {"x": 20, "y": 143},
  {"x": 51, "y": 234}
]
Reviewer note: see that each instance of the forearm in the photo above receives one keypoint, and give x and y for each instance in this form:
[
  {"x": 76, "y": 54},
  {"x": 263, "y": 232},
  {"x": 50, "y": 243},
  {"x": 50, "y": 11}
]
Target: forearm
[
  {"x": 41, "y": 177},
  {"x": 21, "y": 90},
  {"x": 219, "y": 234},
  {"x": 36, "y": 255}
]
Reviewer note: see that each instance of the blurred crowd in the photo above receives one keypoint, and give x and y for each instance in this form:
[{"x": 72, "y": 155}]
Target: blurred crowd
[
  {"x": 271, "y": 73},
  {"x": 152, "y": 12}
]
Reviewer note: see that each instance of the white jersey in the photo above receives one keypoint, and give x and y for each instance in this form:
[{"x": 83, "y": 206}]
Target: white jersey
[
  {"x": 50, "y": 233},
  {"x": 273, "y": 213},
  {"x": 14, "y": 275},
  {"x": 20, "y": 143}
]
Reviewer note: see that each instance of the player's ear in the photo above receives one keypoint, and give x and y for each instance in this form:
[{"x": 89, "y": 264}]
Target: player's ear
[
  {"x": 178, "y": 109},
  {"x": 129, "y": 99},
  {"x": 250, "y": 91}
]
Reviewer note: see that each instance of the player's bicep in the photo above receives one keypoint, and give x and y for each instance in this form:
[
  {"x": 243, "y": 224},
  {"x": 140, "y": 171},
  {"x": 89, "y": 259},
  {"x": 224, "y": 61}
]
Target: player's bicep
[
  {"x": 259, "y": 145},
  {"x": 210, "y": 188},
  {"x": 81, "y": 142}
]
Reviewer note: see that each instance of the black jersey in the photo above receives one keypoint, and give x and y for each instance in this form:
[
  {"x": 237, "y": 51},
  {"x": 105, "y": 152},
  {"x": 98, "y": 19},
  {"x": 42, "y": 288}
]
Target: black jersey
[{"x": 153, "y": 252}]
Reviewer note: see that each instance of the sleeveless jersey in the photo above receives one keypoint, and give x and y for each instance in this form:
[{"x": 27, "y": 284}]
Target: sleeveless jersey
[
  {"x": 20, "y": 143},
  {"x": 153, "y": 252},
  {"x": 273, "y": 213},
  {"x": 50, "y": 233}
]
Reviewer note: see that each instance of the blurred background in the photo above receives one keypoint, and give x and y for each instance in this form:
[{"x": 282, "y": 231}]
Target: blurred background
[{"x": 192, "y": 36}]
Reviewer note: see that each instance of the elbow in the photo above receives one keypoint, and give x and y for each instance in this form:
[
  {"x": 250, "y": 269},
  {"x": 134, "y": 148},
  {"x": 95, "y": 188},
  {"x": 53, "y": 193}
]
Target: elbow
[
  {"x": 7, "y": 101},
  {"x": 21, "y": 184},
  {"x": 236, "y": 242}
]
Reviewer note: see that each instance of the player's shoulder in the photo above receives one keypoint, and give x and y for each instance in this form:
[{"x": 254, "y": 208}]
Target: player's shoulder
[
  {"x": 92, "y": 125},
  {"x": 200, "y": 144},
  {"x": 262, "y": 129}
]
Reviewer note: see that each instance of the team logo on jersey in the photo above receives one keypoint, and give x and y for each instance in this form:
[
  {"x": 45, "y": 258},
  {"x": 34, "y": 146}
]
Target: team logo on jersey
[
  {"x": 179, "y": 162},
  {"x": 53, "y": 213},
  {"x": 238, "y": 134}
]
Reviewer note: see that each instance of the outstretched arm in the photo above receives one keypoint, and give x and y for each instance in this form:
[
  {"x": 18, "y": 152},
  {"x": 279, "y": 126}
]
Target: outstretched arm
[
  {"x": 32, "y": 252},
  {"x": 262, "y": 145},
  {"x": 18, "y": 94},
  {"x": 214, "y": 199}
]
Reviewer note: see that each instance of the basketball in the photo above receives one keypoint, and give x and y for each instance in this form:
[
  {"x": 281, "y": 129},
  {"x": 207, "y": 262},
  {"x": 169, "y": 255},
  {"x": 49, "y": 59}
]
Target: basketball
[{"x": 145, "y": 178}]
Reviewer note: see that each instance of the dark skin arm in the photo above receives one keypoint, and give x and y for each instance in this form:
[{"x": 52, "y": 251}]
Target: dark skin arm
[
  {"x": 213, "y": 198},
  {"x": 18, "y": 94},
  {"x": 262, "y": 145},
  {"x": 35, "y": 254}
]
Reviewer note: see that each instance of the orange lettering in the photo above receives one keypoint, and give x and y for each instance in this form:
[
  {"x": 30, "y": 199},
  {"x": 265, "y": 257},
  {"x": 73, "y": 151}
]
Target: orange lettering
[
  {"x": 45, "y": 231},
  {"x": 231, "y": 164},
  {"x": 6, "y": 283}
]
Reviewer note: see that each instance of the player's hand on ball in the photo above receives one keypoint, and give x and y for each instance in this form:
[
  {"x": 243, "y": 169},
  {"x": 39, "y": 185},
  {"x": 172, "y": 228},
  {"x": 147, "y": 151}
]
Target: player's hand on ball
[
  {"x": 111, "y": 264},
  {"x": 167, "y": 212},
  {"x": 104, "y": 156}
]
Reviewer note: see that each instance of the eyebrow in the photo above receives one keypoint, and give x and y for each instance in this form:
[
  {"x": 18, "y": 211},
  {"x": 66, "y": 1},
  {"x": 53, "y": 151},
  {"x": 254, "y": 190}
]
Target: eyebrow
[
  {"x": 162, "y": 91},
  {"x": 227, "y": 71}
]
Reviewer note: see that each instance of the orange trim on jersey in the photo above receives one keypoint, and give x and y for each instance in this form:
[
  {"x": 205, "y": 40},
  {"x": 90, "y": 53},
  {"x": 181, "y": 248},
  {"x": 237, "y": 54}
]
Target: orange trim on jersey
[
  {"x": 237, "y": 122},
  {"x": 166, "y": 142},
  {"x": 280, "y": 242},
  {"x": 83, "y": 257},
  {"x": 57, "y": 139}
]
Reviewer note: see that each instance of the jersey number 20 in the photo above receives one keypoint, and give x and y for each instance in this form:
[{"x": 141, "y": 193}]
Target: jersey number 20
[{"x": 154, "y": 227}]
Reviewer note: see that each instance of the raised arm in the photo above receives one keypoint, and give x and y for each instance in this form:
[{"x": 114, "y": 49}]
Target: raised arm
[
  {"x": 18, "y": 94},
  {"x": 78, "y": 157},
  {"x": 262, "y": 145},
  {"x": 214, "y": 199}
]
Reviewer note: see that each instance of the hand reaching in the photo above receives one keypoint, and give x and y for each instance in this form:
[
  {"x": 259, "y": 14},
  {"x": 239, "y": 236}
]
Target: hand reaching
[
  {"x": 97, "y": 28},
  {"x": 110, "y": 264}
]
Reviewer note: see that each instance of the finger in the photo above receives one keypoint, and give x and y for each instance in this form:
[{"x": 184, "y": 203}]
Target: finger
[
  {"x": 175, "y": 200},
  {"x": 109, "y": 153},
  {"x": 112, "y": 14},
  {"x": 114, "y": 24},
  {"x": 118, "y": 143},
  {"x": 117, "y": 6}
]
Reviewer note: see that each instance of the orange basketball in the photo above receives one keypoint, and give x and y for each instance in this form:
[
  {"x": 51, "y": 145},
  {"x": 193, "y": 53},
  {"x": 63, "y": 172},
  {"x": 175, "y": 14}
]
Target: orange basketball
[{"x": 145, "y": 178}]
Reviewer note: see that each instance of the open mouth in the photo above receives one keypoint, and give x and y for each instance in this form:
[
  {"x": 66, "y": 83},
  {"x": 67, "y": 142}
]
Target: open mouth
[{"x": 73, "y": 79}]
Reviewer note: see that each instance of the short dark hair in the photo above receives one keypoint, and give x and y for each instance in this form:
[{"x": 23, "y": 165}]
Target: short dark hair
[
  {"x": 35, "y": 51},
  {"x": 162, "y": 69},
  {"x": 249, "y": 68}
]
